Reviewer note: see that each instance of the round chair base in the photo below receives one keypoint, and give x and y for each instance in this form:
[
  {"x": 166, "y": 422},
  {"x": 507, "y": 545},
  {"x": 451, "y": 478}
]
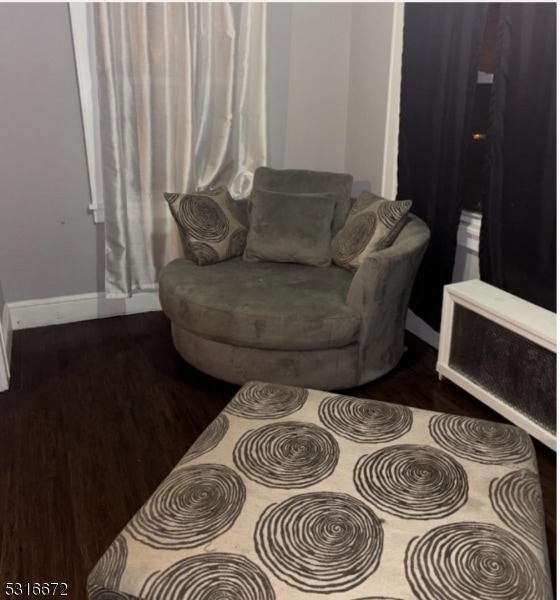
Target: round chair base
[{"x": 327, "y": 369}]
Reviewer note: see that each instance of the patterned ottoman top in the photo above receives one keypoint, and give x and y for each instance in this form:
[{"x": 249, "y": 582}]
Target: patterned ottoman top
[{"x": 299, "y": 494}]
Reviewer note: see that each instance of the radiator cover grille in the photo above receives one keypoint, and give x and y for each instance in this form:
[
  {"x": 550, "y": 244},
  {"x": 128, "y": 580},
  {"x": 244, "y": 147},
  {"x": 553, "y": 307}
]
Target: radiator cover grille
[
  {"x": 501, "y": 349},
  {"x": 510, "y": 367}
]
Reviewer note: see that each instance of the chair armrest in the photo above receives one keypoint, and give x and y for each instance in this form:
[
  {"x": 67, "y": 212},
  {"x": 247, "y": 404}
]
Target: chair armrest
[{"x": 380, "y": 292}]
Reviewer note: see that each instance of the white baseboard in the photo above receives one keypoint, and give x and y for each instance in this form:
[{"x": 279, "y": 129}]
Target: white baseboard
[
  {"x": 64, "y": 309},
  {"x": 7, "y": 330},
  {"x": 5, "y": 349},
  {"x": 82, "y": 307}
]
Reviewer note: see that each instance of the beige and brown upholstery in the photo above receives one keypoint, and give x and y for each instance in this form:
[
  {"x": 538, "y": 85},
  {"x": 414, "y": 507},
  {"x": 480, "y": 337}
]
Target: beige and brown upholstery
[
  {"x": 298, "y": 494},
  {"x": 211, "y": 225},
  {"x": 373, "y": 224}
]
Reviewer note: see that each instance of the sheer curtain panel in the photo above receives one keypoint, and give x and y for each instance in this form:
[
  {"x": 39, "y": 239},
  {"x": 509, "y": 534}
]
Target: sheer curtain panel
[{"x": 181, "y": 90}]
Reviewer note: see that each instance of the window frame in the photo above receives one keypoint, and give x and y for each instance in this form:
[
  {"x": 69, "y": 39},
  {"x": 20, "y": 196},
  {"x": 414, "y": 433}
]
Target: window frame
[{"x": 84, "y": 55}]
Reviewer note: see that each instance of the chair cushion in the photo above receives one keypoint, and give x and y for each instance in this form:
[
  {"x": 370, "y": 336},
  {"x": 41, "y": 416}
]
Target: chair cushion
[
  {"x": 373, "y": 223},
  {"x": 275, "y": 306},
  {"x": 294, "y": 228},
  {"x": 300, "y": 181},
  {"x": 212, "y": 226}
]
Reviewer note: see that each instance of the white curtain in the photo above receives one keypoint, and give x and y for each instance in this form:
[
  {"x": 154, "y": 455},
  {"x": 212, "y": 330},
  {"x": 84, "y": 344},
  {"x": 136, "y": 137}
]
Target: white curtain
[{"x": 181, "y": 89}]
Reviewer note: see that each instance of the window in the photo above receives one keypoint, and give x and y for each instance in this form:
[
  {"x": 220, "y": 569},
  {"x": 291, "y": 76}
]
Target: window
[{"x": 83, "y": 46}]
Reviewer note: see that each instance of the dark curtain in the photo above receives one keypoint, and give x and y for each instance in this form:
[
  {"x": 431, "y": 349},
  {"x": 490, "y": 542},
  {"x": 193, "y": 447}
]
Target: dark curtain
[
  {"x": 439, "y": 71},
  {"x": 518, "y": 237}
]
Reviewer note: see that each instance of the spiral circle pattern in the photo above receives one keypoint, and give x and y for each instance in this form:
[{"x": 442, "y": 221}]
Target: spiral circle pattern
[
  {"x": 320, "y": 542},
  {"x": 215, "y": 576},
  {"x": 287, "y": 455},
  {"x": 481, "y": 441},
  {"x": 390, "y": 213},
  {"x": 379, "y": 598},
  {"x": 516, "y": 498},
  {"x": 186, "y": 245},
  {"x": 237, "y": 242},
  {"x": 205, "y": 254},
  {"x": 266, "y": 401},
  {"x": 365, "y": 421},
  {"x": 412, "y": 482},
  {"x": 108, "y": 571},
  {"x": 473, "y": 560},
  {"x": 96, "y": 592},
  {"x": 172, "y": 198},
  {"x": 208, "y": 439},
  {"x": 364, "y": 200},
  {"x": 193, "y": 506},
  {"x": 203, "y": 218},
  {"x": 354, "y": 238}
]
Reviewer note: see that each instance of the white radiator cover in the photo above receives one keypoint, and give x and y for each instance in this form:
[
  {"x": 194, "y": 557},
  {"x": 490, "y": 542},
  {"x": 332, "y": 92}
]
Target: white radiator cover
[{"x": 537, "y": 328}]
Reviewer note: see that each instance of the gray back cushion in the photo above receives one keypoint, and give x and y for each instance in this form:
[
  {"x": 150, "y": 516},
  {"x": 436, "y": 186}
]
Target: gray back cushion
[
  {"x": 290, "y": 228},
  {"x": 298, "y": 181}
]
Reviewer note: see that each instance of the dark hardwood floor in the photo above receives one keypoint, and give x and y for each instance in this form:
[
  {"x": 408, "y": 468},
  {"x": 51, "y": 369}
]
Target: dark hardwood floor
[{"x": 99, "y": 412}]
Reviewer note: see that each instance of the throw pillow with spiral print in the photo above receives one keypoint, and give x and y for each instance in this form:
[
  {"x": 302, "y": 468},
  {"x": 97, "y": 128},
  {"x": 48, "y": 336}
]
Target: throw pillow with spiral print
[
  {"x": 212, "y": 226},
  {"x": 373, "y": 223}
]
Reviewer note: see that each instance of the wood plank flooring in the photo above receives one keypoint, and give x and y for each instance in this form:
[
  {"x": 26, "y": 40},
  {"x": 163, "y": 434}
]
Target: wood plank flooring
[{"x": 99, "y": 412}]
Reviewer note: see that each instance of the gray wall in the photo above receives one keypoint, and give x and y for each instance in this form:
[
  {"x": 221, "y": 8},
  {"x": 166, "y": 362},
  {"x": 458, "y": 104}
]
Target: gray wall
[
  {"x": 47, "y": 238},
  {"x": 374, "y": 95},
  {"x": 49, "y": 245},
  {"x": 334, "y": 89},
  {"x": 317, "y": 103},
  {"x": 279, "y": 39}
]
